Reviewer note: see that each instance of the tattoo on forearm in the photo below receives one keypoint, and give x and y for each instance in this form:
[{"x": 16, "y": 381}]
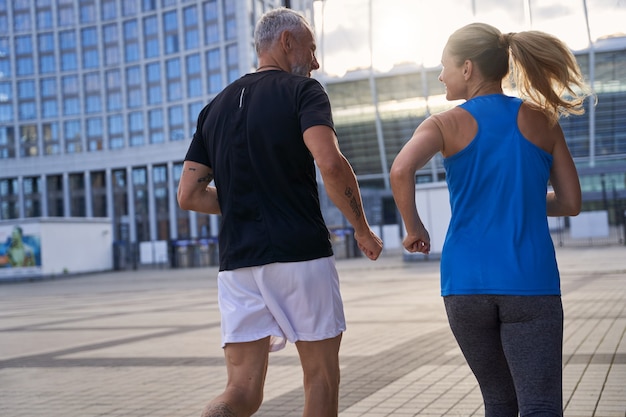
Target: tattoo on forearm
[
  {"x": 218, "y": 410},
  {"x": 208, "y": 178},
  {"x": 354, "y": 204}
]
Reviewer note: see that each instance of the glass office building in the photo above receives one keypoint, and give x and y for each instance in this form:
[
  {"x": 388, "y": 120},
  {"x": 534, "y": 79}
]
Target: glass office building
[{"x": 99, "y": 99}]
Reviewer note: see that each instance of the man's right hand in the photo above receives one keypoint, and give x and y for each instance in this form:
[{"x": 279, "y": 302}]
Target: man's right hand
[{"x": 370, "y": 244}]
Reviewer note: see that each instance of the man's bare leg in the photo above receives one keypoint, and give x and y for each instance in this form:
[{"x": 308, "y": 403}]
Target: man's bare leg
[
  {"x": 246, "y": 365},
  {"x": 320, "y": 364}
]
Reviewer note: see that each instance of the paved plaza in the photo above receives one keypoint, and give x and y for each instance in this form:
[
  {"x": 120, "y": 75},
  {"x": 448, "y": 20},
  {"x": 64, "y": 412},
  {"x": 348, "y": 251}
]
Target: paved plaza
[{"x": 147, "y": 343}]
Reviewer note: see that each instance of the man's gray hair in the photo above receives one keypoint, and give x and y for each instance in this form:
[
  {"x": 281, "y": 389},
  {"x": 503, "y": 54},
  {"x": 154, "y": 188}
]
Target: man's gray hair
[{"x": 273, "y": 23}]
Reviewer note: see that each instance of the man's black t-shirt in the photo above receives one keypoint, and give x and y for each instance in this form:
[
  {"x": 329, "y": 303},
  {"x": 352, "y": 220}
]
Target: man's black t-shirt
[{"x": 251, "y": 136}]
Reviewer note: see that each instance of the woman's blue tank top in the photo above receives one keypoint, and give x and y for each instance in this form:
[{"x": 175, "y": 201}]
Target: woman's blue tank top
[{"x": 498, "y": 240}]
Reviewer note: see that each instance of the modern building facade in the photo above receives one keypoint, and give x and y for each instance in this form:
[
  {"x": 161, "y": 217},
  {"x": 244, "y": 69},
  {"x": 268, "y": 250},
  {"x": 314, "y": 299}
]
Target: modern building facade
[{"x": 99, "y": 99}]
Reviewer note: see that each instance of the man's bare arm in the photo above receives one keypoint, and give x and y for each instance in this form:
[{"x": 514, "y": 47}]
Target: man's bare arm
[
  {"x": 341, "y": 186},
  {"x": 194, "y": 191}
]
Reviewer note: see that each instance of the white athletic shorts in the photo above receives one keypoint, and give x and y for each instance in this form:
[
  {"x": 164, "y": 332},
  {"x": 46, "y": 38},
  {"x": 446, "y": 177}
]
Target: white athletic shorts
[{"x": 288, "y": 301}]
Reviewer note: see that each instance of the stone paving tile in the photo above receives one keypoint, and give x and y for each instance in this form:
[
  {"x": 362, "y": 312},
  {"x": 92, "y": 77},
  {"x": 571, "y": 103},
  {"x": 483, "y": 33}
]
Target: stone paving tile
[{"x": 142, "y": 343}]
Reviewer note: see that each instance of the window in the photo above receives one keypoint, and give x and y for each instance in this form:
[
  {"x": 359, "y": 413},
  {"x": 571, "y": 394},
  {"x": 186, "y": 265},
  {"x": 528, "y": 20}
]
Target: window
[
  {"x": 135, "y": 121},
  {"x": 131, "y": 52},
  {"x": 98, "y": 194},
  {"x": 113, "y": 79},
  {"x": 110, "y": 33},
  {"x": 87, "y": 13},
  {"x": 77, "y": 195},
  {"x": 10, "y": 194},
  {"x": 194, "y": 87},
  {"x": 89, "y": 37},
  {"x": 214, "y": 71},
  {"x": 176, "y": 123},
  {"x": 116, "y": 124},
  {"x": 147, "y": 5},
  {"x": 93, "y": 103},
  {"x": 44, "y": 19},
  {"x": 161, "y": 203},
  {"x": 232, "y": 62},
  {"x": 150, "y": 26},
  {"x": 191, "y": 38},
  {"x": 5, "y": 92},
  {"x": 173, "y": 68},
  {"x": 133, "y": 76},
  {"x": 211, "y": 24},
  {"x": 192, "y": 34},
  {"x": 193, "y": 64},
  {"x": 114, "y": 101},
  {"x": 170, "y": 21},
  {"x": 6, "y": 113},
  {"x": 49, "y": 108},
  {"x": 67, "y": 40},
  {"x": 130, "y": 7},
  {"x": 140, "y": 196},
  {"x": 153, "y": 72},
  {"x": 153, "y": 76},
  {"x": 73, "y": 138},
  {"x": 130, "y": 30},
  {"x": 25, "y": 66},
  {"x": 230, "y": 20},
  {"x": 28, "y": 141},
  {"x": 46, "y": 42},
  {"x": 7, "y": 142},
  {"x": 174, "y": 91},
  {"x": 109, "y": 9},
  {"x": 66, "y": 15},
  {"x": 31, "y": 187},
  {"x": 190, "y": 16},
  {"x": 152, "y": 47},
  {"x": 54, "y": 191},
  {"x": 21, "y": 22},
  {"x": 68, "y": 61},
  {"x": 51, "y": 141},
  {"x": 27, "y": 110},
  {"x": 134, "y": 98},
  {"x": 156, "y": 118},
  {"x": 26, "y": 89},
  {"x": 155, "y": 95},
  {"x": 92, "y": 82},
  {"x": 131, "y": 45},
  {"x": 47, "y": 64},
  {"x": 170, "y": 27},
  {"x": 70, "y": 84},
  {"x": 151, "y": 38},
  {"x": 94, "y": 134},
  {"x": 71, "y": 106},
  {"x": 23, "y": 45}
]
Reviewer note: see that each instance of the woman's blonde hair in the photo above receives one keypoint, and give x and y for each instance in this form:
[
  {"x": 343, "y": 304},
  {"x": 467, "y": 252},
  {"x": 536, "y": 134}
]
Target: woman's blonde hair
[{"x": 541, "y": 66}]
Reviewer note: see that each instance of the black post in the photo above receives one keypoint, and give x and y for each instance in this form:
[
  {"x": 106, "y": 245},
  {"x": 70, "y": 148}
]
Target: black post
[{"x": 288, "y": 4}]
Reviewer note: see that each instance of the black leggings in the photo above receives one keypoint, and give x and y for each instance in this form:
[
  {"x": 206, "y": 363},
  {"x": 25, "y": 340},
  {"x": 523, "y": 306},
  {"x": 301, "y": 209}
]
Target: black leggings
[{"x": 513, "y": 344}]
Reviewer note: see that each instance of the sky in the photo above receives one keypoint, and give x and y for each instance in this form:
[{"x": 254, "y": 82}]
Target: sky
[{"x": 415, "y": 31}]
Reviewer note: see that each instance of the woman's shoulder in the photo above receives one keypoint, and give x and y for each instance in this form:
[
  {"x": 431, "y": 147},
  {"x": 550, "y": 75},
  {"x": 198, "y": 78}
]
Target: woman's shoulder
[
  {"x": 452, "y": 119},
  {"x": 537, "y": 126}
]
